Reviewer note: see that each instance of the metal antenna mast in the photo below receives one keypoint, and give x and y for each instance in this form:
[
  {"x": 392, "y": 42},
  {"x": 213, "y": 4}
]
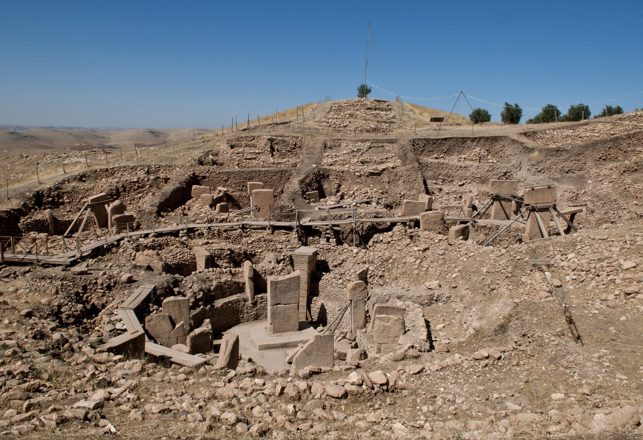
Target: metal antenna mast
[{"x": 368, "y": 44}]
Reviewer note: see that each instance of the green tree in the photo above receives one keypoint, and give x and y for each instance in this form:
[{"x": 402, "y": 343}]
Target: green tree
[
  {"x": 577, "y": 112},
  {"x": 479, "y": 115},
  {"x": 511, "y": 114},
  {"x": 608, "y": 110},
  {"x": 548, "y": 113},
  {"x": 363, "y": 90}
]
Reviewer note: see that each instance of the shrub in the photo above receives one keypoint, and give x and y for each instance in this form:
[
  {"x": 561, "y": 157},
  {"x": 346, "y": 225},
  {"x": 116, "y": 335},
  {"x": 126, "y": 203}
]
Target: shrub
[
  {"x": 608, "y": 110},
  {"x": 479, "y": 115},
  {"x": 511, "y": 114}
]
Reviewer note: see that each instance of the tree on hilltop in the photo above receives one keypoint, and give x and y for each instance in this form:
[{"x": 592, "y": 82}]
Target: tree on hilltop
[
  {"x": 577, "y": 112},
  {"x": 363, "y": 90},
  {"x": 608, "y": 110},
  {"x": 511, "y": 114},
  {"x": 548, "y": 113},
  {"x": 479, "y": 115}
]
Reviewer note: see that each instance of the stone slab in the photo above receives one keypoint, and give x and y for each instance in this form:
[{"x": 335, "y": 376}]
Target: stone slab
[
  {"x": 229, "y": 352},
  {"x": 284, "y": 290},
  {"x": 283, "y": 318},
  {"x": 199, "y": 190},
  {"x": 129, "y": 344},
  {"x": 388, "y": 309},
  {"x": 459, "y": 232},
  {"x": 206, "y": 199},
  {"x": 159, "y": 326},
  {"x": 204, "y": 259},
  {"x": 413, "y": 207},
  {"x": 317, "y": 352},
  {"x": 357, "y": 290},
  {"x": 200, "y": 341},
  {"x": 427, "y": 200},
  {"x": 432, "y": 221},
  {"x": 540, "y": 195},
  {"x": 178, "y": 308},
  {"x": 387, "y": 329},
  {"x": 263, "y": 200}
]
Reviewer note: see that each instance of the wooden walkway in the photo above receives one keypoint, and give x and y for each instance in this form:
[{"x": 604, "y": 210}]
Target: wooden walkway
[{"x": 69, "y": 257}]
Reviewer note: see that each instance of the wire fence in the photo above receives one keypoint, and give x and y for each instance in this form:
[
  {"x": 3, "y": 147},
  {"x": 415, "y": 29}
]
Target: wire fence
[{"x": 26, "y": 175}]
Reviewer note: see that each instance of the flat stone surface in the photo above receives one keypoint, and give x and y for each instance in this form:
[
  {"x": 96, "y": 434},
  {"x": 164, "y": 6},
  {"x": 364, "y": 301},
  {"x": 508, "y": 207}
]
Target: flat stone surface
[
  {"x": 317, "y": 352},
  {"x": 269, "y": 351},
  {"x": 283, "y": 318}
]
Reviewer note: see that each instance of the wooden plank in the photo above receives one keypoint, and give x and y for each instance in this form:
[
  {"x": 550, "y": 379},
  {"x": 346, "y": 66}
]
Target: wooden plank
[
  {"x": 75, "y": 220},
  {"x": 553, "y": 216},
  {"x": 178, "y": 357},
  {"x": 138, "y": 296},
  {"x": 130, "y": 320},
  {"x": 82, "y": 224}
]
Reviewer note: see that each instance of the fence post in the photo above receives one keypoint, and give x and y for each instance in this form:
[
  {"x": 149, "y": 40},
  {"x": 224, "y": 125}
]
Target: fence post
[
  {"x": 86, "y": 161},
  {"x": 106, "y": 161},
  {"x": 64, "y": 172},
  {"x": 38, "y": 172},
  {"x": 136, "y": 149}
]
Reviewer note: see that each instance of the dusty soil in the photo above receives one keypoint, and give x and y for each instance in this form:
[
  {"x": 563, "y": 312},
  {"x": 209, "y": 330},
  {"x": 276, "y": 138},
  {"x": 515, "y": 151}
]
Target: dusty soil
[{"x": 499, "y": 362}]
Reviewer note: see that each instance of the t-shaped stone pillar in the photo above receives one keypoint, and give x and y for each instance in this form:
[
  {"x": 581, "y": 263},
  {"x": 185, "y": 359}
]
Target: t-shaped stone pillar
[{"x": 304, "y": 260}]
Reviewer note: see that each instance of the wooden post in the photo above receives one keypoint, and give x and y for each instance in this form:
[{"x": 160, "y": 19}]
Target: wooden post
[
  {"x": 354, "y": 227},
  {"x": 248, "y": 124},
  {"x": 64, "y": 172},
  {"x": 64, "y": 243},
  {"x": 86, "y": 161},
  {"x": 106, "y": 161},
  {"x": 38, "y": 173},
  {"x": 136, "y": 149}
]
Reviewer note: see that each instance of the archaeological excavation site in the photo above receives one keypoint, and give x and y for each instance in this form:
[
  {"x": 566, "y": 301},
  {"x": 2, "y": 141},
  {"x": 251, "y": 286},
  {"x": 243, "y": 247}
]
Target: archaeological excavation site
[{"x": 353, "y": 270}]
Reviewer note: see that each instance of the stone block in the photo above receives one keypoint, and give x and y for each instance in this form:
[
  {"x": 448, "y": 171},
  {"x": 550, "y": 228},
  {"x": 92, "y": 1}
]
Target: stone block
[
  {"x": 388, "y": 309},
  {"x": 51, "y": 224},
  {"x": 248, "y": 278},
  {"x": 97, "y": 205},
  {"x": 540, "y": 195},
  {"x": 204, "y": 260},
  {"x": 200, "y": 340},
  {"x": 254, "y": 185},
  {"x": 503, "y": 210},
  {"x": 387, "y": 329},
  {"x": 459, "y": 232},
  {"x": 304, "y": 261},
  {"x": 263, "y": 200},
  {"x": 427, "y": 200},
  {"x": 413, "y": 207},
  {"x": 178, "y": 308},
  {"x": 179, "y": 334},
  {"x": 357, "y": 290},
  {"x": 128, "y": 344},
  {"x": 122, "y": 222},
  {"x": 222, "y": 208},
  {"x": 206, "y": 200},
  {"x": 432, "y": 221},
  {"x": 150, "y": 260},
  {"x": 229, "y": 352},
  {"x": 283, "y": 290},
  {"x": 159, "y": 326},
  {"x": 283, "y": 318},
  {"x": 116, "y": 208},
  {"x": 199, "y": 190},
  {"x": 312, "y": 196},
  {"x": 318, "y": 352},
  {"x": 358, "y": 315}
]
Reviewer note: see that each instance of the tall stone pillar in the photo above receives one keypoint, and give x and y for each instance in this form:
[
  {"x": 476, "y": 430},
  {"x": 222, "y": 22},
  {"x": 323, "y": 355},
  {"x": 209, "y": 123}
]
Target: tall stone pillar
[{"x": 304, "y": 260}]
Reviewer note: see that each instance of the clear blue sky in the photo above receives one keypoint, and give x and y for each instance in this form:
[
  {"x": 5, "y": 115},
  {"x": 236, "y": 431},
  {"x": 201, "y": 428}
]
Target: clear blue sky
[{"x": 198, "y": 63}]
